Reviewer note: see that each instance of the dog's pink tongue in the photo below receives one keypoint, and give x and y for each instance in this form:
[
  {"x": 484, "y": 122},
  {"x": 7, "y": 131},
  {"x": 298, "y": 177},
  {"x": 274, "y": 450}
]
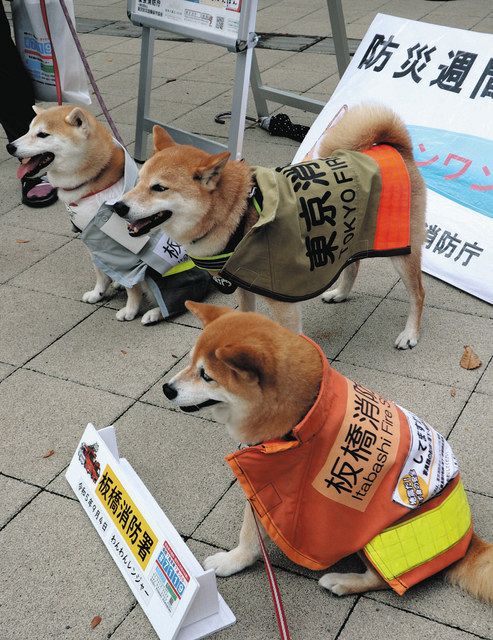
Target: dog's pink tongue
[{"x": 27, "y": 165}]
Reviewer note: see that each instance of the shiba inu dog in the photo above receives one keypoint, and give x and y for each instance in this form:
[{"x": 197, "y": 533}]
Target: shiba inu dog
[
  {"x": 220, "y": 209},
  {"x": 85, "y": 164},
  {"x": 331, "y": 468}
]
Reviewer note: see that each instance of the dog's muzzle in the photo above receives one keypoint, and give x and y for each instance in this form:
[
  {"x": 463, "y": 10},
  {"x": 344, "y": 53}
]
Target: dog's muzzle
[{"x": 171, "y": 393}]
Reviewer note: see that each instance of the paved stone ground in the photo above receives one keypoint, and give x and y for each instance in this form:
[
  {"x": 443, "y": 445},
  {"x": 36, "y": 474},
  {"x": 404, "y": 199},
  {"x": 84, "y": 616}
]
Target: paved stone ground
[{"x": 64, "y": 363}]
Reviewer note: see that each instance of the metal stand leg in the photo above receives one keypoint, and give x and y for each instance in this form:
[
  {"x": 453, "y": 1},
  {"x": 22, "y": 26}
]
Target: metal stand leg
[
  {"x": 339, "y": 34},
  {"x": 240, "y": 102},
  {"x": 258, "y": 96},
  {"x": 144, "y": 96}
]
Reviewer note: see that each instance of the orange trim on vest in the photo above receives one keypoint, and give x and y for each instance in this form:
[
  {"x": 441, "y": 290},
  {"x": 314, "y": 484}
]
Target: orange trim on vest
[{"x": 393, "y": 218}]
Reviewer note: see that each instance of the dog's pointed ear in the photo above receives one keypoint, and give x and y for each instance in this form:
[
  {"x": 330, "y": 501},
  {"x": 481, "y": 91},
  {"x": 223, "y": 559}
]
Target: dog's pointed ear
[
  {"x": 37, "y": 109},
  {"x": 161, "y": 138},
  {"x": 245, "y": 359},
  {"x": 77, "y": 118},
  {"x": 209, "y": 173},
  {"x": 206, "y": 313}
]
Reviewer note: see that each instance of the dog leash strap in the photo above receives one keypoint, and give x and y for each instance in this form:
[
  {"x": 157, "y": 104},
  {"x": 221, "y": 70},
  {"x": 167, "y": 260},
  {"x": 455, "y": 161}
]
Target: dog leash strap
[
  {"x": 89, "y": 72},
  {"x": 56, "y": 70},
  {"x": 282, "y": 623}
]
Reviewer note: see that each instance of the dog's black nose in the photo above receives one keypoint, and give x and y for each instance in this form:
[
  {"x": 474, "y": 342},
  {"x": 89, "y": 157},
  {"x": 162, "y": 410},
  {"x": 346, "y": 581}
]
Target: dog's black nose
[
  {"x": 169, "y": 391},
  {"x": 11, "y": 148},
  {"x": 121, "y": 208}
]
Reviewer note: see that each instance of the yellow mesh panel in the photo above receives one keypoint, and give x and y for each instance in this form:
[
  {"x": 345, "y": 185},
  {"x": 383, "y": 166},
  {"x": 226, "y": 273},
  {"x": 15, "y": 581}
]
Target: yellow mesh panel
[{"x": 409, "y": 544}]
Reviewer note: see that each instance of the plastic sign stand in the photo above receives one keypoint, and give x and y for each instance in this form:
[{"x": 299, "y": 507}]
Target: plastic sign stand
[{"x": 179, "y": 598}]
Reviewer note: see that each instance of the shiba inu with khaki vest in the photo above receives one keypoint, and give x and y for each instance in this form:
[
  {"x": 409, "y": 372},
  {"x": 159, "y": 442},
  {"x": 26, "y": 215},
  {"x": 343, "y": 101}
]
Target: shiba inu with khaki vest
[{"x": 288, "y": 233}]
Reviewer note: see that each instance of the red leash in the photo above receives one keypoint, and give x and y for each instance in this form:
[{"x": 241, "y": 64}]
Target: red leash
[
  {"x": 58, "y": 87},
  {"x": 282, "y": 623}
]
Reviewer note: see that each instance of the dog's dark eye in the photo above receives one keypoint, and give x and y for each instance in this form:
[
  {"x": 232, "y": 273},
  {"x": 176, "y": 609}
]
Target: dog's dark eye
[
  {"x": 158, "y": 187},
  {"x": 42, "y": 134},
  {"x": 204, "y": 376}
]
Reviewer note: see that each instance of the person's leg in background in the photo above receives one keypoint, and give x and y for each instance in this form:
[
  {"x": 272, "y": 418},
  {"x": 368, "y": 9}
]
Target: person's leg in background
[{"x": 16, "y": 110}]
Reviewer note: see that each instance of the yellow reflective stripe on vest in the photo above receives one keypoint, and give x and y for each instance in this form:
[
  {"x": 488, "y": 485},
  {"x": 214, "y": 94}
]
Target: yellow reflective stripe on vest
[
  {"x": 408, "y": 545},
  {"x": 179, "y": 268}
]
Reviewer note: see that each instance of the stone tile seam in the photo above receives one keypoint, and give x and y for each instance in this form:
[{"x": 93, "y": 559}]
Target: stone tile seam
[
  {"x": 469, "y": 397},
  {"x": 346, "y": 619},
  {"x": 125, "y": 616},
  {"x": 37, "y": 261},
  {"x": 421, "y": 615},
  {"x": 232, "y": 482},
  {"x": 22, "y": 287},
  {"x": 21, "y": 509},
  {"x": 401, "y": 374}
]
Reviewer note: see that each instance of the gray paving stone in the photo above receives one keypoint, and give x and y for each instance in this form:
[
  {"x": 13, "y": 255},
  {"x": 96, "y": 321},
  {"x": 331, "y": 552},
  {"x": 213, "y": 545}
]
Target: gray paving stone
[
  {"x": 67, "y": 272},
  {"x": 311, "y": 612},
  {"x": 445, "y": 296},
  {"x": 5, "y": 370},
  {"x": 333, "y": 325},
  {"x": 473, "y": 445},
  {"x": 133, "y": 45},
  {"x": 53, "y": 219},
  {"x": 161, "y": 110},
  {"x": 486, "y": 383},
  {"x": 432, "y": 402},
  {"x": 437, "y": 355},
  {"x": 34, "y": 320},
  {"x": 24, "y": 248},
  {"x": 194, "y": 92},
  {"x": 51, "y": 415},
  {"x": 111, "y": 355},
  {"x": 58, "y": 575},
  {"x": 180, "y": 459},
  {"x": 443, "y": 602},
  {"x": 372, "y": 620},
  {"x": 13, "y": 496}
]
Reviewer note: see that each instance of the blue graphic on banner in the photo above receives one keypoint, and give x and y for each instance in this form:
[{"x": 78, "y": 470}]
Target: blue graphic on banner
[{"x": 456, "y": 165}]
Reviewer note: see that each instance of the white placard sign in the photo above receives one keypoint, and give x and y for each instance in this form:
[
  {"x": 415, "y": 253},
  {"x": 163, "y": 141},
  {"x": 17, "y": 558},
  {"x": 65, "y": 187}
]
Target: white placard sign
[
  {"x": 440, "y": 81},
  {"x": 179, "y": 598},
  {"x": 208, "y": 16}
]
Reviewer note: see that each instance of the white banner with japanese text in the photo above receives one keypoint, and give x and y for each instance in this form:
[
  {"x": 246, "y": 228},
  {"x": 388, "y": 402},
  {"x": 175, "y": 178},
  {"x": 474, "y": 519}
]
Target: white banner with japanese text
[{"x": 440, "y": 81}]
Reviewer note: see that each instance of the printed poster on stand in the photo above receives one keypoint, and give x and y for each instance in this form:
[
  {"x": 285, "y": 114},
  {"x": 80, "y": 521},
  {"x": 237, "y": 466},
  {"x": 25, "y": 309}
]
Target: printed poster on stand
[
  {"x": 178, "y": 597},
  {"x": 440, "y": 81}
]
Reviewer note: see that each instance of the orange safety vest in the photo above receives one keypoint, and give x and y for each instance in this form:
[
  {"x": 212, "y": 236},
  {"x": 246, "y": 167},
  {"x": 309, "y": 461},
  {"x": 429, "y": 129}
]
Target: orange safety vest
[{"x": 359, "y": 473}]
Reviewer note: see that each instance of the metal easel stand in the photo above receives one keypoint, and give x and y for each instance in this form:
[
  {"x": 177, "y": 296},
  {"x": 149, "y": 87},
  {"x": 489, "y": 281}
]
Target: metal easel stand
[{"x": 247, "y": 73}]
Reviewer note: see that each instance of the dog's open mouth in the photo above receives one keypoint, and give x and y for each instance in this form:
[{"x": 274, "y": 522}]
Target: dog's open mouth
[
  {"x": 140, "y": 227},
  {"x": 202, "y": 405},
  {"x": 31, "y": 166}
]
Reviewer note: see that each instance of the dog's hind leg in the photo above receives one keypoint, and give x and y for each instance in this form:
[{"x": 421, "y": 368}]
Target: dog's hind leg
[
  {"x": 288, "y": 314},
  {"x": 102, "y": 283},
  {"x": 409, "y": 269},
  {"x": 131, "y": 309},
  {"x": 342, "y": 584},
  {"x": 225, "y": 563},
  {"x": 344, "y": 284},
  {"x": 246, "y": 300}
]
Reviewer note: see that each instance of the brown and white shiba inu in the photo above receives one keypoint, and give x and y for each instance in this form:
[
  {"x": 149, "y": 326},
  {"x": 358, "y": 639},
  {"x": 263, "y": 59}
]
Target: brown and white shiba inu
[
  {"x": 82, "y": 160},
  {"x": 202, "y": 202},
  {"x": 266, "y": 383}
]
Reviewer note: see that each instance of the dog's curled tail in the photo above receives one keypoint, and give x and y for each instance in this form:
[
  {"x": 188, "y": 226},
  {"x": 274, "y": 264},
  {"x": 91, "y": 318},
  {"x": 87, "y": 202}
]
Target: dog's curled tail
[
  {"x": 364, "y": 126},
  {"x": 474, "y": 573}
]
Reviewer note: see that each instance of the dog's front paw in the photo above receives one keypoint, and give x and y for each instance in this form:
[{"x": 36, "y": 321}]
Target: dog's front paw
[
  {"x": 337, "y": 583},
  {"x": 334, "y": 295},
  {"x": 152, "y": 316},
  {"x": 226, "y": 563},
  {"x": 407, "y": 339},
  {"x": 126, "y": 314},
  {"x": 93, "y": 296}
]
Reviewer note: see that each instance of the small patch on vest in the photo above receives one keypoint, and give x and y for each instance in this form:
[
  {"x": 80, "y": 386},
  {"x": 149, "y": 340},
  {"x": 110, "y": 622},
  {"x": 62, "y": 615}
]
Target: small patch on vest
[
  {"x": 364, "y": 450},
  {"x": 429, "y": 466},
  {"x": 224, "y": 286}
]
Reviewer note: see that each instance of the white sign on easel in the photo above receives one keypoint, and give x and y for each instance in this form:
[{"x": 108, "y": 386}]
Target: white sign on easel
[
  {"x": 440, "y": 81},
  {"x": 179, "y": 598}
]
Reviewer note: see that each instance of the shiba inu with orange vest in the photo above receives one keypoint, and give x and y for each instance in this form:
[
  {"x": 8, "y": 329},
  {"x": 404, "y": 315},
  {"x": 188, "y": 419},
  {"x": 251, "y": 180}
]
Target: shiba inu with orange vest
[{"x": 330, "y": 468}]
